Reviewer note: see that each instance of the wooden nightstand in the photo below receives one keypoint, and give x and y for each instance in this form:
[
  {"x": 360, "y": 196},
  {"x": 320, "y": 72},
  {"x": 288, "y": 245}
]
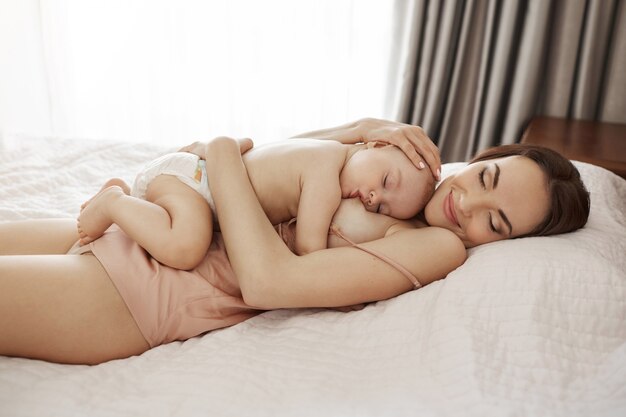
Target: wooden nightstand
[{"x": 602, "y": 144}]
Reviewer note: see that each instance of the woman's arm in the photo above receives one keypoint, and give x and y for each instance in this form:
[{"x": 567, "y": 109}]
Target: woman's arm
[
  {"x": 413, "y": 141},
  {"x": 270, "y": 276},
  {"x": 348, "y": 133}
]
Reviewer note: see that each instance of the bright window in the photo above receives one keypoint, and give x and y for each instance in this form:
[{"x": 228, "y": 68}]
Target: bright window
[{"x": 170, "y": 72}]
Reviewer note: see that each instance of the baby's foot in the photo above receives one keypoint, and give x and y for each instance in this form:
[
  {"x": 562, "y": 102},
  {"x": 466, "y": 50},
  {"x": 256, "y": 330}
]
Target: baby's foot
[
  {"x": 113, "y": 181},
  {"x": 94, "y": 219}
]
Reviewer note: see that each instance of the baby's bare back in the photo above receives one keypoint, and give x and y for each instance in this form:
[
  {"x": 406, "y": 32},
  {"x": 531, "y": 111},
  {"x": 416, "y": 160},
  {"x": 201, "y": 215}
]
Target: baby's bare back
[{"x": 278, "y": 171}]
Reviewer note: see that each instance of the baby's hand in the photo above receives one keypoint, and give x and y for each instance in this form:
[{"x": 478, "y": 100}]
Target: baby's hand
[
  {"x": 196, "y": 148},
  {"x": 199, "y": 148},
  {"x": 245, "y": 145}
]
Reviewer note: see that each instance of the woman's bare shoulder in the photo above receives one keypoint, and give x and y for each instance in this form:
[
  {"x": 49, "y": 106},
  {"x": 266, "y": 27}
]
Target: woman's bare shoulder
[
  {"x": 431, "y": 252},
  {"x": 438, "y": 237}
]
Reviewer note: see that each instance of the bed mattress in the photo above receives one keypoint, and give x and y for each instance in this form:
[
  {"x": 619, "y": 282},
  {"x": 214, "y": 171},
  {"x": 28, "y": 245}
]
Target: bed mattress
[{"x": 529, "y": 327}]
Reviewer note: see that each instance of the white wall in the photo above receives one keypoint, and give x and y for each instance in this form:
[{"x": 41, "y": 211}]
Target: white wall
[
  {"x": 24, "y": 105},
  {"x": 174, "y": 71}
]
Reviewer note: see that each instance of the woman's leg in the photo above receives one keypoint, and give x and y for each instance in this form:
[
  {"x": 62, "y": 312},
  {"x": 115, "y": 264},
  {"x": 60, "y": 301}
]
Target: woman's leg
[
  {"x": 37, "y": 237},
  {"x": 63, "y": 308}
]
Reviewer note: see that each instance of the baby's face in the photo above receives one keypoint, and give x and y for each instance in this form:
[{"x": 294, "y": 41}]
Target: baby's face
[{"x": 386, "y": 181}]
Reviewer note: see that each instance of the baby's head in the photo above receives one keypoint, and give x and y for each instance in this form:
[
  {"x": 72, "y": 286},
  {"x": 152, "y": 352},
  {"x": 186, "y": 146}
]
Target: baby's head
[{"x": 386, "y": 181}]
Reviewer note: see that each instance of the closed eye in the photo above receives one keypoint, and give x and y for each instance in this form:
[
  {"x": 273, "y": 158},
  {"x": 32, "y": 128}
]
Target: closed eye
[
  {"x": 491, "y": 226},
  {"x": 481, "y": 178}
]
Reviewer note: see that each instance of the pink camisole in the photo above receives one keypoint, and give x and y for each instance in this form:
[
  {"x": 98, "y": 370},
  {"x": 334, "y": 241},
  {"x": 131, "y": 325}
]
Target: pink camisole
[{"x": 170, "y": 304}]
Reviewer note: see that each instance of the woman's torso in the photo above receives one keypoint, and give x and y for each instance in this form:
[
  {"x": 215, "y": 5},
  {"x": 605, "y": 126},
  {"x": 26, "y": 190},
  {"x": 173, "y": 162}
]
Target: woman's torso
[{"x": 355, "y": 223}]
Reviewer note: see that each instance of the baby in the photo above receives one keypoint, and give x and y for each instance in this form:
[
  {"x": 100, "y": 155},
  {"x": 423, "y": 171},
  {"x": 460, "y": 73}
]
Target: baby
[{"x": 170, "y": 211}]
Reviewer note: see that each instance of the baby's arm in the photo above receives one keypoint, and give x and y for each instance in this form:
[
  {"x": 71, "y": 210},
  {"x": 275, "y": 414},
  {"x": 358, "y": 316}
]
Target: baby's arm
[
  {"x": 319, "y": 199},
  {"x": 348, "y": 133}
]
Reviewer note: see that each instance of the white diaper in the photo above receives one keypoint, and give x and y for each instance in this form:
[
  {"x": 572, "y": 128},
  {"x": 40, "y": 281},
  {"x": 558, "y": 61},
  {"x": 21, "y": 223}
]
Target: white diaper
[{"x": 187, "y": 167}]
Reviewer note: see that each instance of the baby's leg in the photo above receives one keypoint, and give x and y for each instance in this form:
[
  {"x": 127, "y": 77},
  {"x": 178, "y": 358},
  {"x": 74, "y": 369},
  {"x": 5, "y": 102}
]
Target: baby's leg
[
  {"x": 174, "y": 223},
  {"x": 185, "y": 239},
  {"x": 113, "y": 181},
  {"x": 93, "y": 222}
]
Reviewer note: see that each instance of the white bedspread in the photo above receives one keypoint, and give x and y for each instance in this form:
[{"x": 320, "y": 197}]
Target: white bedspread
[{"x": 530, "y": 327}]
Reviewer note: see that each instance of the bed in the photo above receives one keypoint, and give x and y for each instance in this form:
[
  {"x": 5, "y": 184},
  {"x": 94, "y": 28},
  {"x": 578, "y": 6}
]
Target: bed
[{"x": 529, "y": 327}]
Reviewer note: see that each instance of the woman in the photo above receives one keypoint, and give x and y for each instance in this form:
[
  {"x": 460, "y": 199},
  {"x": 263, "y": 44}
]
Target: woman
[
  {"x": 67, "y": 309},
  {"x": 506, "y": 192}
]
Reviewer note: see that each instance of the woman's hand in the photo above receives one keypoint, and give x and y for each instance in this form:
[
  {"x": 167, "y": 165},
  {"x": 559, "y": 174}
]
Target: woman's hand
[
  {"x": 200, "y": 148},
  {"x": 413, "y": 141},
  {"x": 348, "y": 309}
]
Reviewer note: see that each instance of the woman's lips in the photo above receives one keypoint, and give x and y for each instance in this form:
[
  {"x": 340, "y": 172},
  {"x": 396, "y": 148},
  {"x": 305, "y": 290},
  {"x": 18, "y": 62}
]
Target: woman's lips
[{"x": 448, "y": 209}]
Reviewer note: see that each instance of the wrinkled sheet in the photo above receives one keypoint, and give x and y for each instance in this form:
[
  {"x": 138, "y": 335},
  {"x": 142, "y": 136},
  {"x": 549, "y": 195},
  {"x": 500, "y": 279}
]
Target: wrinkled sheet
[{"x": 529, "y": 327}]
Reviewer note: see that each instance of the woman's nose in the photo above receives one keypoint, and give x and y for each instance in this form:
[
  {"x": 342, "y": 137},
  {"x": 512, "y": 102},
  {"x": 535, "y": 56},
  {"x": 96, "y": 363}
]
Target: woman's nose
[{"x": 469, "y": 202}]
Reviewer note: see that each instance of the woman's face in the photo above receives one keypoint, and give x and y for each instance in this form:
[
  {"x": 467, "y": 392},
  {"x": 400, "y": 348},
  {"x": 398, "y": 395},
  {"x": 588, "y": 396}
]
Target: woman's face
[{"x": 491, "y": 200}]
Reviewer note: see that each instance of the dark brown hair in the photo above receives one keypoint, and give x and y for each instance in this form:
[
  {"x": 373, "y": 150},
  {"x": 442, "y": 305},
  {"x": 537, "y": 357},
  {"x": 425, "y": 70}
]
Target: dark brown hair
[{"x": 569, "y": 199}]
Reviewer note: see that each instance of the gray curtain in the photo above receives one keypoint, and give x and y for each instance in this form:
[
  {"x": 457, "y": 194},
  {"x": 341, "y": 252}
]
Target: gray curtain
[{"x": 473, "y": 73}]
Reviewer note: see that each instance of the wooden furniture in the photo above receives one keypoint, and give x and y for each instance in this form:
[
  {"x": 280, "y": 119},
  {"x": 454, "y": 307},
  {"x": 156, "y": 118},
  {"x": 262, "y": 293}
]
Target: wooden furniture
[{"x": 602, "y": 144}]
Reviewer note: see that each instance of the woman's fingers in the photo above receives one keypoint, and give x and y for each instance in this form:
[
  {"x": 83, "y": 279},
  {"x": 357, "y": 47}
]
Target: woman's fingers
[
  {"x": 426, "y": 149},
  {"x": 347, "y": 309},
  {"x": 414, "y": 142},
  {"x": 410, "y": 150}
]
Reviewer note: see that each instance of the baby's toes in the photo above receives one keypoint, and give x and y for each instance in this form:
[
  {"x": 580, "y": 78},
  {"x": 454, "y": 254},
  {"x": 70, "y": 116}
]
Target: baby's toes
[{"x": 85, "y": 240}]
